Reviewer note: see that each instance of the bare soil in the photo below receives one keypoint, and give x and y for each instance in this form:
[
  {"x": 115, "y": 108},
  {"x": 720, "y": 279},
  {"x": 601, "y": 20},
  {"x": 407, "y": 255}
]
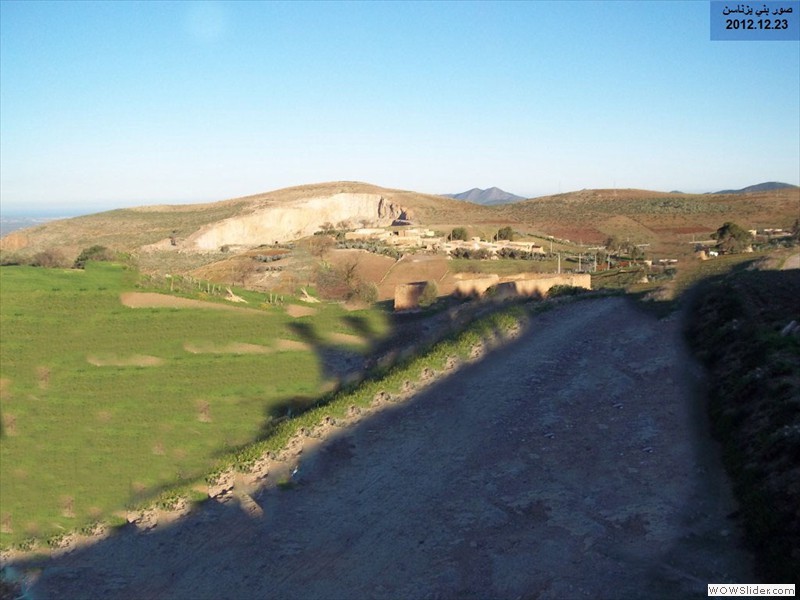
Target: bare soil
[
  {"x": 573, "y": 462},
  {"x": 135, "y": 360},
  {"x": 232, "y": 348},
  {"x": 156, "y": 300},
  {"x": 296, "y": 311}
]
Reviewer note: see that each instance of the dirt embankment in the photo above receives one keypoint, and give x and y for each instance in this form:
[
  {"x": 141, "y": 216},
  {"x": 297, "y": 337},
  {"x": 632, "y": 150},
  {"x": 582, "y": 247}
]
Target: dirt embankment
[
  {"x": 745, "y": 328},
  {"x": 572, "y": 463}
]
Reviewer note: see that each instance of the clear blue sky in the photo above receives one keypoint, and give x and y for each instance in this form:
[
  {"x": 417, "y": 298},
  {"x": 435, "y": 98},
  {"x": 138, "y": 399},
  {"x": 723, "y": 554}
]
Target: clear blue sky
[{"x": 114, "y": 104}]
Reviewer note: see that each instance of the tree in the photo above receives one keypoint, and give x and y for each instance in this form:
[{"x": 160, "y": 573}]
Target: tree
[
  {"x": 731, "y": 238},
  {"x": 506, "y": 233},
  {"x": 327, "y": 228},
  {"x": 240, "y": 269},
  {"x": 319, "y": 245},
  {"x": 612, "y": 243},
  {"x": 459, "y": 233}
]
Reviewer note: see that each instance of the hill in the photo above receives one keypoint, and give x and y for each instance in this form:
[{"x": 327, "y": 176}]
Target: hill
[
  {"x": 278, "y": 216},
  {"x": 488, "y": 197},
  {"x": 668, "y": 222},
  {"x": 768, "y": 186}
]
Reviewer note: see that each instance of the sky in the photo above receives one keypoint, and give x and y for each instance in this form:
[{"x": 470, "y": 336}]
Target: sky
[{"x": 112, "y": 104}]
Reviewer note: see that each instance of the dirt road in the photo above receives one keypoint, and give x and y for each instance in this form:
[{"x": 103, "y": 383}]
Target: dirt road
[
  {"x": 571, "y": 463},
  {"x": 793, "y": 262}
]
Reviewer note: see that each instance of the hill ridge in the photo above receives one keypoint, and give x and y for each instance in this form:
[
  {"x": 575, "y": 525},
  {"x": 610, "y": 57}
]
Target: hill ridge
[{"x": 488, "y": 197}]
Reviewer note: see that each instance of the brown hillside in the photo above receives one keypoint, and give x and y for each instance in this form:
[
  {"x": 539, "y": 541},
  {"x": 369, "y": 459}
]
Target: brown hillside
[
  {"x": 669, "y": 222},
  {"x": 133, "y": 228}
]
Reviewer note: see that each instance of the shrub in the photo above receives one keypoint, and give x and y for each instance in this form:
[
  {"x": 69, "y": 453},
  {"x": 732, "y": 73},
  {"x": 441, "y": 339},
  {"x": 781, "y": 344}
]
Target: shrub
[
  {"x": 564, "y": 290},
  {"x": 367, "y": 292},
  {"x": 49, "y": 259},
  {"x": 506, "y": 233},
  {"x": 98, "y": 253},
  {"x": 319, "y": 245},
  {"x": 8, "y": 259},
  {"x": 732, "y": 238},
  {"x": 459, "y": 233},
  {"x": 429, "y": 294}
]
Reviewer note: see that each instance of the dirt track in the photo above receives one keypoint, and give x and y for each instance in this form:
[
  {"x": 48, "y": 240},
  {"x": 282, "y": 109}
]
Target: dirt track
[{"x": 571, "y": 463}]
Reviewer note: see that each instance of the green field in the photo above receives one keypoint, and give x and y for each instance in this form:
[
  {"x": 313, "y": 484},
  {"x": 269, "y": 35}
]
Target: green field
[{"x": 88, "y": 430}]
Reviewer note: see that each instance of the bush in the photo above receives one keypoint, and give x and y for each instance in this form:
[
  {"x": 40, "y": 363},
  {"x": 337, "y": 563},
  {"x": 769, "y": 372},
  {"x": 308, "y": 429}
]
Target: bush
[
  {"x": 479, "y": 254},
  {"x": 429, "y": 294},
  {"x": 49, "y": 259},
  {"x": 8, "y": 259},
  {"x": 564, "y": 290},
  {"x": 459, "y": 233},
  {"x": 367, "y": 292},
  {"x": 98, "y": 253},
  {"x": 506, "y": 233},
  {"x": 731, "y": 238}
]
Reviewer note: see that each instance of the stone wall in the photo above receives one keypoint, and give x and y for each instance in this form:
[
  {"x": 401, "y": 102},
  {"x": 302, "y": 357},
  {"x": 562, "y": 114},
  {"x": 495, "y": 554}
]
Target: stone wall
[
  {"x": 474, "y": 285},
  {"x": 406, "y": 295},
  {"x": 528, "y": 285},
  {"x": 535, "y": 285}
]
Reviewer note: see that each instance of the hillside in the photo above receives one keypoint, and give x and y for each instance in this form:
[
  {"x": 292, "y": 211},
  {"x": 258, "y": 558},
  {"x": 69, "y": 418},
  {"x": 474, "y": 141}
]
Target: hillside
[
  {"x": 282, "y": 215},
  {"x": 668, "y": 222},
  {"x": 768, "y": 186},
  {"x": 488, "y": 197}
]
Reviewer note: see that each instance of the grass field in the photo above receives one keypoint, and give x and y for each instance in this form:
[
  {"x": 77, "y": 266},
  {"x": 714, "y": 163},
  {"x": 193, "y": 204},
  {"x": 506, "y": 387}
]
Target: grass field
[{"x": 103, "y": 405}]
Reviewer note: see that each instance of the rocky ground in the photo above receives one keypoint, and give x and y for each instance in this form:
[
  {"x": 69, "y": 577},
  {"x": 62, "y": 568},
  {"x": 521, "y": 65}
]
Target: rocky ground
[{"x": 573, "y": 462}]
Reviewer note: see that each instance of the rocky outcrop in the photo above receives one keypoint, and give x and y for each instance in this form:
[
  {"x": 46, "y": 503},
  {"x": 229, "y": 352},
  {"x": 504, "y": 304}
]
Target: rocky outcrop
[{"x": 292, "y": 220}]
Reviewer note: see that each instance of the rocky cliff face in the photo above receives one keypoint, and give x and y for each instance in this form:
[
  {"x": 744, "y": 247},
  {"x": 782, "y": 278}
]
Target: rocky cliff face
[{"x": 301, "y": 218}]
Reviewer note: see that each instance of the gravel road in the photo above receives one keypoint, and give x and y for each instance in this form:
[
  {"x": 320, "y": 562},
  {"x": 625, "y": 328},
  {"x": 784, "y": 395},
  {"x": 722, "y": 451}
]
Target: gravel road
[{"x": 573, "y": 462}]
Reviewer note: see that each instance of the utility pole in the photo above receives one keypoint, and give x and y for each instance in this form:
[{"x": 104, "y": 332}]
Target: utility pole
[
  {"x": 580, "y": 256},
  {"x": 559, "y": 263}
]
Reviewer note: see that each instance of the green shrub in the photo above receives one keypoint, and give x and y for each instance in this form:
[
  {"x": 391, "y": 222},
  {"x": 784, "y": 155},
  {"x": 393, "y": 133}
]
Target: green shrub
[
  {"x": 367, "y": 292},
  {"x": 98, "y": 253},
  {"x": 459, "y": 233},
  {"x": 429, "y": 294},
  {"x": 564, "y": 290},
  {"x": 506, "y": 233}
]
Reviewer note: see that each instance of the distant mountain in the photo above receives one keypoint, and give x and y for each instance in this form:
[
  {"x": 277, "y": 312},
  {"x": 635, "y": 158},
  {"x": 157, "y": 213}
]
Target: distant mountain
[
  {"x": 760, "y": 187},
  {"x": 492, "y": 196}
]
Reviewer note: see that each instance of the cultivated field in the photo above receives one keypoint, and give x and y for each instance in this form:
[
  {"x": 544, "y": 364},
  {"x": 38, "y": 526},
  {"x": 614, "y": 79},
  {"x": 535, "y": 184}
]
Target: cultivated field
[{"x": 103, "y": 404}]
